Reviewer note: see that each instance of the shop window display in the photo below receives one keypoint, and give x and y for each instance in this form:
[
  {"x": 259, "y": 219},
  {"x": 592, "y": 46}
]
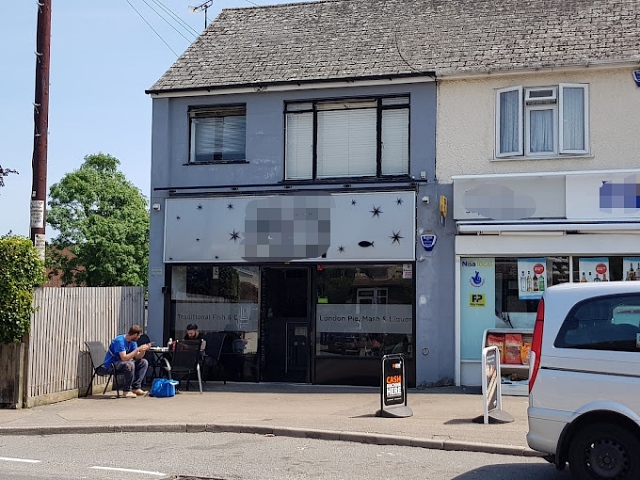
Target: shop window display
[
  {"x": 364, "y": 311},
  {"x": 217, "y": 299},
  {"x": 603, "y": 269}
]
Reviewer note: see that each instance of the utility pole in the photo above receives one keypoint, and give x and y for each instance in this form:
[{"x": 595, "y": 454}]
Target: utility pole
[{"x": 41, "y": 127}]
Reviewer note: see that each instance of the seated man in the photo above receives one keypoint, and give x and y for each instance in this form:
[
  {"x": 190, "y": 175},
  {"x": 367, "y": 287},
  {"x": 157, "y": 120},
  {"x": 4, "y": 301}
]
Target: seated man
[
  {"x": 194, "y": 334},
  {"x": 128, "y": 358}
]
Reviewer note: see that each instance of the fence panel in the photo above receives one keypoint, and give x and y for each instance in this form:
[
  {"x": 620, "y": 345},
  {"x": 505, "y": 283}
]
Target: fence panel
[{"x": 58, "y": 362}]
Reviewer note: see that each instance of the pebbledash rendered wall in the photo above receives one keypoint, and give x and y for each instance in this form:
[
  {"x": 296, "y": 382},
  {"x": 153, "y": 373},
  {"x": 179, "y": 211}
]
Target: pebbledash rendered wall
[
  {"x": 434, "y": 271},
  {"x": 465, "y": 143}
]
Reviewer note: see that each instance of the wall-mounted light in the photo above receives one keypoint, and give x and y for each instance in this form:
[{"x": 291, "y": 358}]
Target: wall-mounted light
[
  {"x": 156, "y": 207},
  {"x": 425, "y": 200}
]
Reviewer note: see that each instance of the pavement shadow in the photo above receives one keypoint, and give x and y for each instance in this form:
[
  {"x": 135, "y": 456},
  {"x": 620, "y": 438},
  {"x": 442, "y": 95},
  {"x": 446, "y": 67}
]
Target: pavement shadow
[
  {"x": 521, "y": 471},
  {"x": 459, "y": 421}
]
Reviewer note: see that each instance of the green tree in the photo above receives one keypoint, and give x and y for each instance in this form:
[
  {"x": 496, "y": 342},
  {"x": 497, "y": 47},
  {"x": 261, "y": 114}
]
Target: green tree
[
  {"x": 21, "y": 270},
  {"x": 103, "y": 225}
]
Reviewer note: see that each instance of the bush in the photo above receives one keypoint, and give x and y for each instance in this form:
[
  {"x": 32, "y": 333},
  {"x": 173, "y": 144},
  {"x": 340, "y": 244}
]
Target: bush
[{"x": 21, "y": 270}]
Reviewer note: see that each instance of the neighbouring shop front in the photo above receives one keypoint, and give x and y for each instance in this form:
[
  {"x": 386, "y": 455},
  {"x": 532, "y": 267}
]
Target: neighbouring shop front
[
  {"x": 521, "y": 234},
  {"x": 322, "y": 308}
]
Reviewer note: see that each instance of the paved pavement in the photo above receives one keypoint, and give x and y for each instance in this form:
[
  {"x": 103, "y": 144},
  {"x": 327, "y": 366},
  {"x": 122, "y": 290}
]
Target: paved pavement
[{"x": 442, "y": 417}]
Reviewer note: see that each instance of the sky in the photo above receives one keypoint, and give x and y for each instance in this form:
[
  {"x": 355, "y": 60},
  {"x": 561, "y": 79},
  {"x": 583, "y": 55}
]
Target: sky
[{"x": 104, "y": 55}]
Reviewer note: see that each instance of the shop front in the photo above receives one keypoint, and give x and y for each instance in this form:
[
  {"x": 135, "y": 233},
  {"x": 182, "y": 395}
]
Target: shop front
[
  {"x": 321, "y": 310},
  {"x": 518, "y": 235}
]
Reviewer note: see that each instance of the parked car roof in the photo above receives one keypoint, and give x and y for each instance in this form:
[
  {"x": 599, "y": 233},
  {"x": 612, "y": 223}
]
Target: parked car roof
[{"x": 348, "y": 39}]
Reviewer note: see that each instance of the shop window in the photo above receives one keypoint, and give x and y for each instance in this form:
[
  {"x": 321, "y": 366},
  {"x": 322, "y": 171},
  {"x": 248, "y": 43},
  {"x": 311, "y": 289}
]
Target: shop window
[
  {"x": 603, "y": 269},
  {"x": 364, "y": 311},
  {"x": 217, "y": 299},
  {"x": 357, "y": 137},
  {"x": 218, "y": 134},
  {"x": 542, "y": 122}
]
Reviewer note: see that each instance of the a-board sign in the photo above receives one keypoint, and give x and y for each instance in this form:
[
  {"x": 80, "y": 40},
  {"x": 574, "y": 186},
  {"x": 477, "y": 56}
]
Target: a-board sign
[
  {"x": 394, "y": 383},
  {"x": 491, "y": 381},
  {"x": 393, "y": 387}
]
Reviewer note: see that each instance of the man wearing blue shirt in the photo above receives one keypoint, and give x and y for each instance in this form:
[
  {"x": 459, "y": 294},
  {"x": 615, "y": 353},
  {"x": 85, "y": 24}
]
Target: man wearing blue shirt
[{"x": 128, "y": 358}]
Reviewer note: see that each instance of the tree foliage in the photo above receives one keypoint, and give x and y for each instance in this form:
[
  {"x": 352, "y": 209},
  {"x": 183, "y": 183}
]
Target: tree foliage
[
  {"x": 4, "y": 172},
  {"x": 103, "y": 225},
  {"x": 21, "y": 270}
]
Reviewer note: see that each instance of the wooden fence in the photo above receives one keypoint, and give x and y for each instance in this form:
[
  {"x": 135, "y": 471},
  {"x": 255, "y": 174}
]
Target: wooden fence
[{"x": 58, "y": 365}]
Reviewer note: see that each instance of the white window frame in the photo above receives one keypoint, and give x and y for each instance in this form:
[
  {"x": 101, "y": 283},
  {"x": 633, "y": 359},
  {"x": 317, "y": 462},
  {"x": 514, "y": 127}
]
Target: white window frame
[
  {"x": 373, "y": 296},
  {"x": 562, "y": 114},
  {"x": 526, "y": 105},
  {"x": 518, "y": 150},
  {"x": 314, "y": 156}
]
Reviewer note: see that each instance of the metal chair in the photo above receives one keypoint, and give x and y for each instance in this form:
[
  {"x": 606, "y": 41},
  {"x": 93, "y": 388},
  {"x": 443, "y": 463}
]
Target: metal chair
[
  {"x": 97, "y": 351},
  {"x": 185, "y": 361},
  {"x": 213, "y": 351}
]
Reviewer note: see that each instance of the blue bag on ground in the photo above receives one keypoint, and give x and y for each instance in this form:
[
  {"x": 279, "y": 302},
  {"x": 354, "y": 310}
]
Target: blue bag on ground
[{"x": 163, "y": 387}]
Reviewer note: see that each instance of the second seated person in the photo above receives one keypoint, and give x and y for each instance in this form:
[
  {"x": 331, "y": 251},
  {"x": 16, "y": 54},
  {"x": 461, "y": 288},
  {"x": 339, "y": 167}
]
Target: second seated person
[{"x": 194, "y": 334}]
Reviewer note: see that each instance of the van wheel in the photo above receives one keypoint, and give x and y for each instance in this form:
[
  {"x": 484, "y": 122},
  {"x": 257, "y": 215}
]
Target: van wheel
[{"x": 604, "y": 451}]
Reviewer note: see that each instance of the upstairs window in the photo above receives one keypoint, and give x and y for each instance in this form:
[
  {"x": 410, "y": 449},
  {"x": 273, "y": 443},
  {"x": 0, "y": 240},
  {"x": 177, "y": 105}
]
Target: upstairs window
[
  {"x": 543, "y": 121},
  {"x": 366, "y": 137},
  {"x": 218, "y": 134}
]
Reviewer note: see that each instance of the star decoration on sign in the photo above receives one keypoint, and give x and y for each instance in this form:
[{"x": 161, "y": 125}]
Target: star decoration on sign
[
  {"x": 230, "y": 206},
  {"x": 376, "y": 211},
  {"x": 353, "y": 202},
  {"x": 199, "y": 207},
  {"x": 341, "y": 249},
  {"x": 398, "y": 201},
  {"x": 395, "y": 237},
  {"x": 235, "y": 236}
]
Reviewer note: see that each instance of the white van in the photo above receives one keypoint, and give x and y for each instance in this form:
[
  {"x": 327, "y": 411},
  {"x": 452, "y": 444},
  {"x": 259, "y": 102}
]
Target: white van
[{"x": 584, "y": 385}]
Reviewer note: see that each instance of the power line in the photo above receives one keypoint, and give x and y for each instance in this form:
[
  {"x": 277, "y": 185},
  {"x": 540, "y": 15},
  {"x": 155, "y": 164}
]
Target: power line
[
  {"x": 154, "y": 31},
  {"x": 184, "y": 24},
  {"x": 167, "y": 21}
]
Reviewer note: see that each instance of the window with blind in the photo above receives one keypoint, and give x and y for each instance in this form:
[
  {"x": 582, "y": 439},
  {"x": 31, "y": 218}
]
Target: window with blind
[
  {"x": 542, "y": 121},
  {"x": 347, "y": 138},
  {"x": 218, "y": 134}
]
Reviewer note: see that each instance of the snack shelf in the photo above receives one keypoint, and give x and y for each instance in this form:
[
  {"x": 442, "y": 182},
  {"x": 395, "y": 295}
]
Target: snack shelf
[{"x": 520, "y": 385}]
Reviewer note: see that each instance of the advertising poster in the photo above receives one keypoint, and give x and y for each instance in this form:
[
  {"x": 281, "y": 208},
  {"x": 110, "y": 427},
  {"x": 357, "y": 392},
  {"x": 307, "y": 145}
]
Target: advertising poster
[
  {"x": 594, "y": 269},
  {"x": 631, "y": 268},
  {"x": 532, "y": 278},
  {"x": 477, "y": 304}
]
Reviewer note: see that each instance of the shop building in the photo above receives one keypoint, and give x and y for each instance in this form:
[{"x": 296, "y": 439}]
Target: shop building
[
  {"x": 586, "y": 228},
  {"x": 541, "y": 202},
  {"x": 345, "y": 113},
  {"x": 290, "y": 206}
]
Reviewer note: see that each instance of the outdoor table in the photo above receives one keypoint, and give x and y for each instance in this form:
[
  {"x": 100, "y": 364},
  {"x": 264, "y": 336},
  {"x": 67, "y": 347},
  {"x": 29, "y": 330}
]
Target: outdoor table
[{"x": 160, "y": 361}]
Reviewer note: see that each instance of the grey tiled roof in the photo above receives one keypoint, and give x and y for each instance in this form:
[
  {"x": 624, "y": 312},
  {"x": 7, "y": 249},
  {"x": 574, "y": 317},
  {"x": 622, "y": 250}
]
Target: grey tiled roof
[{"x": 342, "y": 39}]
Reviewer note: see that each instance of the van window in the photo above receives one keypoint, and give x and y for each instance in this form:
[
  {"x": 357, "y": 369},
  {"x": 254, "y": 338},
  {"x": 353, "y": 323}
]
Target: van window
[{"x": 603, "y": 323}]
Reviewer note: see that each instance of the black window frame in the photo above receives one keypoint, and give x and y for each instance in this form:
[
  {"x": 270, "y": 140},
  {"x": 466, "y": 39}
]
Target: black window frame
[{"x": 379, "y": 99}]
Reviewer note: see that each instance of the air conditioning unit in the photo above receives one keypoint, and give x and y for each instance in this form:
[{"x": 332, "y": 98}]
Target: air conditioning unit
[{"x": 540, "y": 96}]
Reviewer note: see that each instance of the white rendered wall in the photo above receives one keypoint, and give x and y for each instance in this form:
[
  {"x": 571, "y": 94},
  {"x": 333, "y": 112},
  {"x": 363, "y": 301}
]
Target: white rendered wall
[{"x": 465, "y": 129}]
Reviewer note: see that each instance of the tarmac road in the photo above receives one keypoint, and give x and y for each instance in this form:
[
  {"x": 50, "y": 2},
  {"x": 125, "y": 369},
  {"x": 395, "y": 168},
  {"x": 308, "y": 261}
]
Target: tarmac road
[{"x": 232, "y": 456}]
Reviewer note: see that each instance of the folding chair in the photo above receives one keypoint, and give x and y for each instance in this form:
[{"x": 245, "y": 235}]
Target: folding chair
[
  {"x": 97, "y": 351},
  {"x": 185, "y": 361},
  {"x": 212, "y": 360}
]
